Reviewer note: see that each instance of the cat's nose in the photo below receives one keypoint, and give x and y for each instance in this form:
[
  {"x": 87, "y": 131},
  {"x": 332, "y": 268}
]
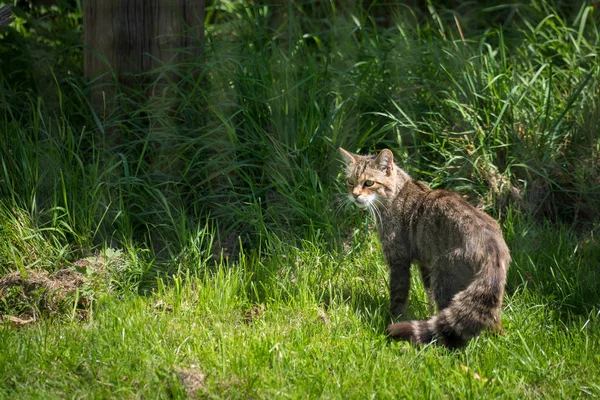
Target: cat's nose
[{"x": 355, "y": 194}]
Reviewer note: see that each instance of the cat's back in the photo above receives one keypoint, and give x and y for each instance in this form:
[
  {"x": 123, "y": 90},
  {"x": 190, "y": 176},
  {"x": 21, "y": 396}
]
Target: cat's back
[
  {"x": 442, "y": 220},
  {"x": 446, "y": 209}
]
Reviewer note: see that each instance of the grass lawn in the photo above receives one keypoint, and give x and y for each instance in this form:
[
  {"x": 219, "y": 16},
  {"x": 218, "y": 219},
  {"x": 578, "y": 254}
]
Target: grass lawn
[
  {"x": 191, "y": 242},
  {"x": 307, "y": 323}
]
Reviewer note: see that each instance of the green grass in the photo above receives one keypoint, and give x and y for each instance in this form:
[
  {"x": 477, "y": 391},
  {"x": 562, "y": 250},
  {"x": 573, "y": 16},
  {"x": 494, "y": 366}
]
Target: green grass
[
  {"x": 320, "y": 334},
  {"x": 207, "y": 224}
]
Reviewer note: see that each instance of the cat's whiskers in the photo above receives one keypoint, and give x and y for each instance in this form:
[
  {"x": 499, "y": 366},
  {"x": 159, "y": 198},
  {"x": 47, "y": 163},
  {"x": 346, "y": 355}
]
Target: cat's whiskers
[
  {"x": 378, "y": 205},
  {"x": 374, "y": 209},
  {"x": 344, "y": 202},
  {"x": 341, "y": 201}
]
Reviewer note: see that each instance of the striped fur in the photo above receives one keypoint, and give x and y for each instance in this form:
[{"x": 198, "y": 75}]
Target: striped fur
[{"x": 461, "y": 254}]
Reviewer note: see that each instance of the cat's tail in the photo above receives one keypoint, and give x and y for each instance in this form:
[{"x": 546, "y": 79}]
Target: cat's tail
[{"x": 470, "y": 311}]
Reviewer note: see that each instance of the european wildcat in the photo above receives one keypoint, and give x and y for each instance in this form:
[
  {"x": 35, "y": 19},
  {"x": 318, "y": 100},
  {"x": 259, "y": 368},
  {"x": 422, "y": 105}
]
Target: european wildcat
[{"x": 460, "y": 251}]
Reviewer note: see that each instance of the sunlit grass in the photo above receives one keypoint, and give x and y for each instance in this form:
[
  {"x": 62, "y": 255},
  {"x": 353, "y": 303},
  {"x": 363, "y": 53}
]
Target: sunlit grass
[
  {"x": 211, "y": 209},
  {"x": 300, "y": 323}
]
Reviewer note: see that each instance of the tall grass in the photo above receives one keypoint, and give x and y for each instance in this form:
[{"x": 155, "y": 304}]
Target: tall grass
[{"x": 245, "y": 136}]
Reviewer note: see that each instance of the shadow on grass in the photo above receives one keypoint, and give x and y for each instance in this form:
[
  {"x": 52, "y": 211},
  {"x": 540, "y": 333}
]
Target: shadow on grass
[{"x": 556, "y": 265}]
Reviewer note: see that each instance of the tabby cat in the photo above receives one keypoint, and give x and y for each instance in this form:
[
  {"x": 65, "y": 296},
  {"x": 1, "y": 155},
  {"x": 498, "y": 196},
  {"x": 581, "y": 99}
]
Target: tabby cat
[{"x": 459, "y": 249}]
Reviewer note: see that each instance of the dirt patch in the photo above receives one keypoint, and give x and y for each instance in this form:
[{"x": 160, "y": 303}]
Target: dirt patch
[
  {"x": 30, "y": 294},
  {"x": 254, "y": 313},
  {"x": 192, "y": 381}
]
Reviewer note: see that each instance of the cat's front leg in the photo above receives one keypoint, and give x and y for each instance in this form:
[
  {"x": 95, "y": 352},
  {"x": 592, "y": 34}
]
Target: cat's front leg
[{"x": 399, "y": 285}]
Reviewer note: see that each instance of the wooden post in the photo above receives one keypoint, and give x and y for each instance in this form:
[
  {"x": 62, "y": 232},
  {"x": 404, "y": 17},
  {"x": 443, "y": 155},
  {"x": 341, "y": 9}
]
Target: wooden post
[
  {"x": 5, "y": 15},
  {"x": 131, "y": 37}
]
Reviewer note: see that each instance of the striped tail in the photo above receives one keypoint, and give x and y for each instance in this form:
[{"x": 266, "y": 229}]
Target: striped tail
[{"x": 470, "y": 311}]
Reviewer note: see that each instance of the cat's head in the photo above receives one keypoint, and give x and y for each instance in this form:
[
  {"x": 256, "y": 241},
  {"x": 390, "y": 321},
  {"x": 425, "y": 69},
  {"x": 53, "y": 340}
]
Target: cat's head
[{"x": 370, "y": 180}]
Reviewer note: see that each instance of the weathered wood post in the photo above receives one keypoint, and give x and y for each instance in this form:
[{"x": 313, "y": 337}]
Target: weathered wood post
[
  {"x": 132, "y": 37},
  {"x": 5, "y": 15}
]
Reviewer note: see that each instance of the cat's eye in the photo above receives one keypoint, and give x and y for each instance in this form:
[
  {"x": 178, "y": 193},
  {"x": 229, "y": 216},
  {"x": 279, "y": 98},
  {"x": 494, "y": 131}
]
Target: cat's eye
[
  {"x": 369, "y": 183},
  {"x": 349, "y": 182}
]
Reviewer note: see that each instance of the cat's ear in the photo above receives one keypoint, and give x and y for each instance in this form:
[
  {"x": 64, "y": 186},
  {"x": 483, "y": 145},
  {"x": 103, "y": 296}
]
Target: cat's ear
[
  {"x": 385, "y": 161},
  {"x": 348, "y": 157}
]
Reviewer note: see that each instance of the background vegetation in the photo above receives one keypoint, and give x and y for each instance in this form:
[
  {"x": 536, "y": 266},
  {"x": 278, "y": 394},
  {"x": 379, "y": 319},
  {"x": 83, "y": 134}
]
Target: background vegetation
[{"x": 201, "y": 210}]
